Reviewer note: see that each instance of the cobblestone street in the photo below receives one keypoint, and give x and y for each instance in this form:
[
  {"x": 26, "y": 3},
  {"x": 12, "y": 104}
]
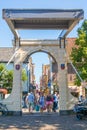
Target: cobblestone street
[{"x": 39, "y": 121}]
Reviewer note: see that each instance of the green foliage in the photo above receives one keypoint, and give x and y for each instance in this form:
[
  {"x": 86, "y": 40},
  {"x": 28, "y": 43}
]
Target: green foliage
[
  {"x": 24, "y": 76},
  {"x": 6, "y": 78},
  {"x": 79, "y": 53},
  {"x": 77, "y": 81},
  {"x": 2, "y": 67}
]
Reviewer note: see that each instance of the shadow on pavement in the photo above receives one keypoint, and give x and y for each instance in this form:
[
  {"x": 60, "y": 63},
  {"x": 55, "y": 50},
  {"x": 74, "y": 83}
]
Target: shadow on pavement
[{"x": 42, "y": 122}]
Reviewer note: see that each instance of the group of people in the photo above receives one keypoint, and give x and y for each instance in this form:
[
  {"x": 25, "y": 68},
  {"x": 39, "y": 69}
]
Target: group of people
[{"x": 41, "y": 102}]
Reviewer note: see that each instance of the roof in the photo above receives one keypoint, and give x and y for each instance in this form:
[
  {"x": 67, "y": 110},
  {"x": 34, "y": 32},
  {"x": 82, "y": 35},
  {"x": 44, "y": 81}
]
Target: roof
[
  {"x": 5, "y": 54},
  {"x": 70, "y": 44},
  {"x": 59, "y": 19}
]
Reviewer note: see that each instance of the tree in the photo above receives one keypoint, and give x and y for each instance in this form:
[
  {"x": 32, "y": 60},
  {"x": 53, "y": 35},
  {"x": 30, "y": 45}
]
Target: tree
[
  {"x": 24, "y": 76},
  {"x": 79, "y": 53},
  {"x": 8, "y": 80},
  {"x": 6, "y": 77},
  {"x": 2, "y": 67}
]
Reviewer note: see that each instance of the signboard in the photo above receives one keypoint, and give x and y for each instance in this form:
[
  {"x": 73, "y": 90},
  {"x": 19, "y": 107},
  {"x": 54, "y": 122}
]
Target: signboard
[{"x": 49, "y": 84}]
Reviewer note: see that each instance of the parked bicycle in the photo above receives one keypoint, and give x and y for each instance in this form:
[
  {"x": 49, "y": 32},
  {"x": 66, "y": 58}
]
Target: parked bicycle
[
  {"x": 3, "y": 109},
  {"x": 81, "y": 109}
]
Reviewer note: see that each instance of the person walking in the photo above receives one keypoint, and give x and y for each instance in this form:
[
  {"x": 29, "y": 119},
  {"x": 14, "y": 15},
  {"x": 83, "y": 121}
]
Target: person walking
[
  {"x": 30, "y": 101},
  {"x": 55, "y": 101},
  {"x": 42, "y": 102},
  {"x": 49, "y": 102}
]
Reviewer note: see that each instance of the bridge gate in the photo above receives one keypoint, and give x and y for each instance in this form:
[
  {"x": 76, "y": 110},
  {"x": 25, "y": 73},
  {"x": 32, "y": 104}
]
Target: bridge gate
[{"x": 64, "y": 20}]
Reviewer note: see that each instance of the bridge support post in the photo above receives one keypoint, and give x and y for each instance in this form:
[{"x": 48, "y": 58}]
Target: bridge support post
[
  {"x": 62, "y": 78},
  {"x": 13, "y": 102},
  {"x": 17, "y": 83}
]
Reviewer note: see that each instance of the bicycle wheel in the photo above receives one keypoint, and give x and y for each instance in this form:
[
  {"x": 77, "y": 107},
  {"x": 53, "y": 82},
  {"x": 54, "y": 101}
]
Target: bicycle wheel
[
  {"x": 79, "y": 116},
  {"x": 3, "y": 109}
]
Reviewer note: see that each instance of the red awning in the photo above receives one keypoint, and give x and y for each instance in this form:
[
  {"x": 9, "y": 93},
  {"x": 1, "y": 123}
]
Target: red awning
[{"x": 4, "y": 91}]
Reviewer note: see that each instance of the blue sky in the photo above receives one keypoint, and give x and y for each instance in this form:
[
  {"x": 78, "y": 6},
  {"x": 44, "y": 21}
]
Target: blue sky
[{"x": 6, "y": 35}]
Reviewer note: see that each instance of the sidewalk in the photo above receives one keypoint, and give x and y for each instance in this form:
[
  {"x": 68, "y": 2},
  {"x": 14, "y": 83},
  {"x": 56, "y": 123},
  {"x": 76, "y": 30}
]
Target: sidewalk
[{"x": 39, "y": 121}]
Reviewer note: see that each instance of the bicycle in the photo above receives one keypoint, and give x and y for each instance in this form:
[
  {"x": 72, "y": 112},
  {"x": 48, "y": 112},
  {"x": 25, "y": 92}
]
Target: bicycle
[{"x": 3, "y": 109}]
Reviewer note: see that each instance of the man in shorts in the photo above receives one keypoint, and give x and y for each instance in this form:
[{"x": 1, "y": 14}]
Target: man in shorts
[{"x": 30, "y": 101}]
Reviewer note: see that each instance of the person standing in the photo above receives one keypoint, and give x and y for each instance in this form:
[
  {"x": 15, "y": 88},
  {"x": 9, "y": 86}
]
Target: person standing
[{"x": 24, "y": 101}]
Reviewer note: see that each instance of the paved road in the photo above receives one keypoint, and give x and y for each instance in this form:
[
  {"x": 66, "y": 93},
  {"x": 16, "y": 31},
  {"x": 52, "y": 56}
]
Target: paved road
[{"x": 42, "y": 122}]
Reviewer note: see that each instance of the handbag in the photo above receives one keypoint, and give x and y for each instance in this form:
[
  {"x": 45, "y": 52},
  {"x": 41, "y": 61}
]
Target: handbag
[
  {"x": 44, "y": 108},
  {"x": 37, "y": 108}
]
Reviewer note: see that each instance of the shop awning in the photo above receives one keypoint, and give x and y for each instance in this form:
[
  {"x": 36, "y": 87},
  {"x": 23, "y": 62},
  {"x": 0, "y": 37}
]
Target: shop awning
[{"x": 4, "y": 91}]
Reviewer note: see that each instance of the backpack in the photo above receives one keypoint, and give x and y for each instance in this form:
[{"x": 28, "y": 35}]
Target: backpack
[{"x": 49, "y": 98}]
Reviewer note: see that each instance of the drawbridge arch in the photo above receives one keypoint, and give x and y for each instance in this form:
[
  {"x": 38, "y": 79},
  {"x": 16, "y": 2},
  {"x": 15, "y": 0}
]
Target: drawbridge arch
[
  {"x": 40, "y": 46},
  {"x": 64, "y": 20},
  {"x": 41, "y": 50}
]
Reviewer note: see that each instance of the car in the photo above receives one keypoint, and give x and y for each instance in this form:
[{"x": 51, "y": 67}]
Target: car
[{"x": 81, "y": 109}]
